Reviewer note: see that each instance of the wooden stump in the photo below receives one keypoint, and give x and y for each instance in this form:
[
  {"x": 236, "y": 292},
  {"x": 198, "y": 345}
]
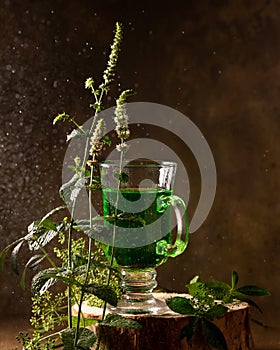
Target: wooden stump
[{"x": 162, "y": 332}]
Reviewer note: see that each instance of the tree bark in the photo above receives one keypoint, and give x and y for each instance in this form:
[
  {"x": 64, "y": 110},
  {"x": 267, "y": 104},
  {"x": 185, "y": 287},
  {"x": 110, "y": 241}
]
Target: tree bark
[{"x": 162, "y": 332}]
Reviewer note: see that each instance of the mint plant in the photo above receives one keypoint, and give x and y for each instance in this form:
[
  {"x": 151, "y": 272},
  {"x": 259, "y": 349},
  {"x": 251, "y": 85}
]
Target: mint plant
[
  {"x": 83, "y": 270},
  {"x": 209, "y": 300}
]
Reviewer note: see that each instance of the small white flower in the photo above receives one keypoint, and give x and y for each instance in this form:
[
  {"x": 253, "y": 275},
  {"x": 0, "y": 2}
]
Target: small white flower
[{"x": 122, "y": 147}]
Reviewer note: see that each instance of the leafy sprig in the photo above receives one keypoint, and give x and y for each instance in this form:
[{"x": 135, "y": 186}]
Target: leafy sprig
[{"x": 208, "y": 301}]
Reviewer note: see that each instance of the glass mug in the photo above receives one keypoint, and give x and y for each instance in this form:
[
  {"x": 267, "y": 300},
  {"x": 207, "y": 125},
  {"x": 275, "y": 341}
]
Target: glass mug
[{"x": 137, "y": 202}]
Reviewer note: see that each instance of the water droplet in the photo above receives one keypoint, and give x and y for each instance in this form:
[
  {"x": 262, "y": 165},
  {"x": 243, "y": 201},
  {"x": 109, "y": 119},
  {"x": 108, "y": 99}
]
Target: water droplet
[{"x": 55, "y": 84}]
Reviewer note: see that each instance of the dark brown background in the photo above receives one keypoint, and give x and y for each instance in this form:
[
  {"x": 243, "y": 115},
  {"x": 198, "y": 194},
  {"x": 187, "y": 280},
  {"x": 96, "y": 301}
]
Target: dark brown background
[{"x": 217, "y": 62}]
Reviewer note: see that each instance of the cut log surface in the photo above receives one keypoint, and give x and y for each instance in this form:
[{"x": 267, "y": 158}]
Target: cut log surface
[{"x": 162, "y": 332}]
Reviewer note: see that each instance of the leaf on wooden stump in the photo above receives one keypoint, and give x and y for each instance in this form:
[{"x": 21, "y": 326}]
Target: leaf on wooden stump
[
  {"x": 189, "y": 330},
  {"x": 114, "y": 320},
  {"x": 181, "y": 305},
  {"x": 213, "y": 335}
]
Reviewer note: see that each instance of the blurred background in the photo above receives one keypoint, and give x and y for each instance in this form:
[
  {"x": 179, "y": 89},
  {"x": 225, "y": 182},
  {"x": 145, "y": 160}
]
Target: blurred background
[{"x": 217, "y": 62}]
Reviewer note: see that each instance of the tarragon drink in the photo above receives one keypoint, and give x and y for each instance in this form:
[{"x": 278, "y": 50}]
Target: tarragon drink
[
  {"x": 137, "y": 202},
  {"x": 141, "y": 209}
]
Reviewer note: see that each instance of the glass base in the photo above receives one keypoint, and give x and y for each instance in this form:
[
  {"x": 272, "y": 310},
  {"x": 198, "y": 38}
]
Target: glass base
[
  {"x": 138, "y": 298},
  {"x": 137, "y": 304}
]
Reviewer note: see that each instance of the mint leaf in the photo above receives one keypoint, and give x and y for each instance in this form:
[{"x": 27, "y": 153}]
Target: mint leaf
[
  {"x": 181, "y": 305},
  {"x": 14, "y": 256},
  {"x": 105, "y": 293},
  {"x": 47, "y": 224},
  {"x": 195, "y": 287},
  {"x": 253, "y": 290},
  {"x": 189, "y": 330},
  {"x": 67, "y": 337},
  {"x": 216, "y": 311},
  {"x": 86, "y": 339},
  {"x": 213, "y": 335},
  {"x": 243, "y": 297},
  {"x": 77, "y": 134},
  {"x": 234, "y": 279},
  {"x": 114, "y": 320}
]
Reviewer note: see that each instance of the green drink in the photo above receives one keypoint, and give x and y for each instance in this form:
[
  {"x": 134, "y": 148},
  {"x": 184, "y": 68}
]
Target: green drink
[
  {"x": 138, "y": 202},
  {"x": 141, "y": 210}
]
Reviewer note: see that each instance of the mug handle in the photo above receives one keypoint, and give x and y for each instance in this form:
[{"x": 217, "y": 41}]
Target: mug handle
[{"x": 182, "y": 235}]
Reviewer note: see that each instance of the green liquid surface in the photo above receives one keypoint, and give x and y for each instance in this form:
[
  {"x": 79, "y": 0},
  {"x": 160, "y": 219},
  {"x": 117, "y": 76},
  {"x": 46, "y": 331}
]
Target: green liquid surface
[{"x": 141, "y": 210}]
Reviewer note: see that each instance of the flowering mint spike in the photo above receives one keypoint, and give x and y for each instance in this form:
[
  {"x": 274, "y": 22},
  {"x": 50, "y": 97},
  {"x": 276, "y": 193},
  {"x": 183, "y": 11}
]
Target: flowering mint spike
[
  {"x": 96, "y": 141},
  {"x": 89, "y": 83},
  {"x": 121, "y": 120},
  {"x": 109, "y": 72},
  {"x": 62, "y": 116}
]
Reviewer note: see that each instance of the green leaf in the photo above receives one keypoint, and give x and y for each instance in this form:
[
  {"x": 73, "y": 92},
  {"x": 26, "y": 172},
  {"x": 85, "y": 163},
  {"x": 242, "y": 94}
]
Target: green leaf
[
  {"x": 39, "y": 236},
  {"x": 122, "y": 176},
  {"x": 105, "y": 293},
  {"x": 181, "y": 305},
  {"x": 107, "y": 140},
  {"x": 114, "y": 320},
  {"x": 14, "y": 256},
  {"x": 217, "y": 285},
  {"x": 46, "y": 278},
  {"x": 96, "y": 106},
  {"x": 194, "y": 287},
  {"x": 71, "y": 189},
  {"x": 253, "y": 290},
  {"x": 195, "y": 279},
  {"x": 68, "y": 336},
  {"x": 3, "y": 256},
  {"x": 243, "y": 297},
  {"x": 48, "y": 224},
  {"x": 32, "y": 262},
  {"x": 218, "y": 289},
  {"x": 234, "y": 279},
  {"x": 216, "y": 311},
  {"x": 6, "y": 250},
  {"x": 213, "y": 335},
  {"x": 86, "y": 339},
  {"x": 77, "y": 134},
  {"x": 189, "y": 330},
  {"x": 85, "y": 342}
]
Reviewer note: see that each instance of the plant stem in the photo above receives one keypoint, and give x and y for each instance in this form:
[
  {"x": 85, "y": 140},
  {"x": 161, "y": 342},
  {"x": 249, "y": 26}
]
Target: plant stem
[
  {"x": 112, "y": 251},
  {"x": 88, "y": 261},
  {"x": 69, "y": 289},
  {"x": 48, "y": 257}
]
